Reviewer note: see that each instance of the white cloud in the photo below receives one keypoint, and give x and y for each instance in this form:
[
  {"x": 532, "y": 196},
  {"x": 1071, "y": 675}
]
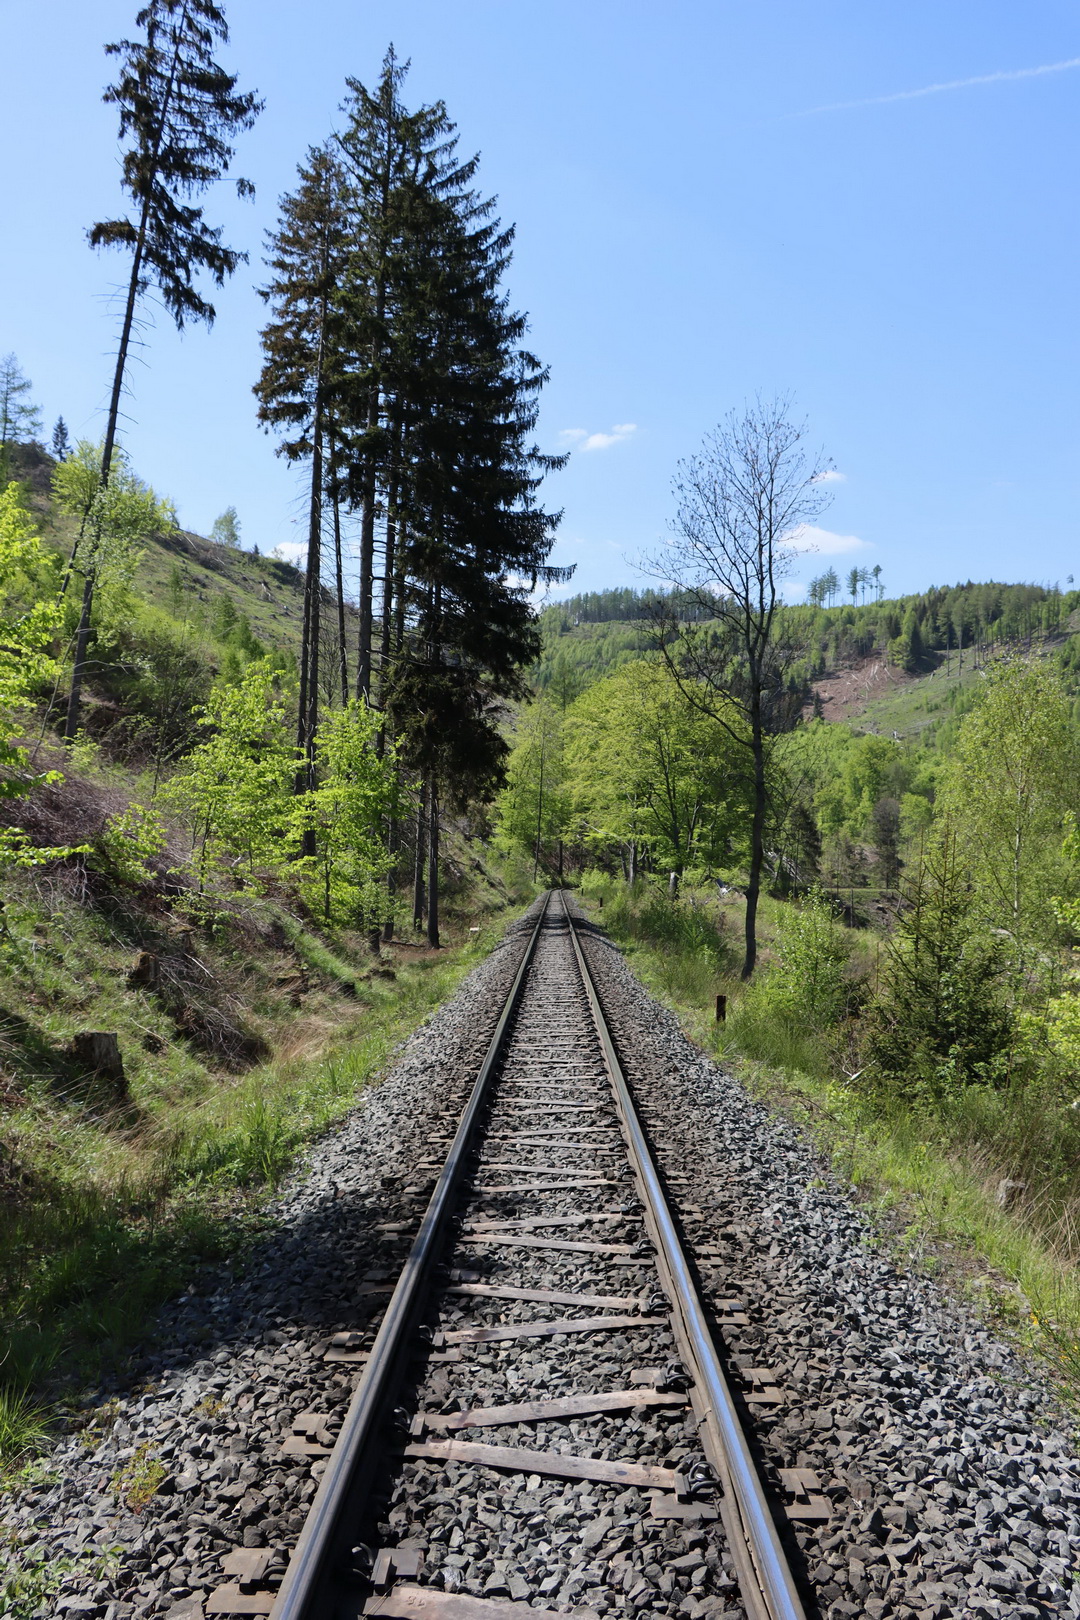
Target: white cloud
[
  {"x": 582, "y": 439},
  {"x": 292, "y": 551},
  {"x": 823, "y": 542},
  {"x": 830, "y": 476}
]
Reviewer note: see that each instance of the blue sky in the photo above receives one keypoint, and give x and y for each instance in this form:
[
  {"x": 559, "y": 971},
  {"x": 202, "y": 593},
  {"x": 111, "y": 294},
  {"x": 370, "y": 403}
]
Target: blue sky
[{"x": 692, "y": 227}]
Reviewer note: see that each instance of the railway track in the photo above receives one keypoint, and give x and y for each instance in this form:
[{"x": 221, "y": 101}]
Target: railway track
[{"x": 542, "y": 1421}]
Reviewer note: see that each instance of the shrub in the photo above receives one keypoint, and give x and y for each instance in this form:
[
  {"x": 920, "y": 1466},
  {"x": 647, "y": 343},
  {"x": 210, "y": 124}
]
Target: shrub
[
  {"x": 941, "y": 1018},
  {"x": 809, "y": 979},
  {"x": 128, "y": 843}
]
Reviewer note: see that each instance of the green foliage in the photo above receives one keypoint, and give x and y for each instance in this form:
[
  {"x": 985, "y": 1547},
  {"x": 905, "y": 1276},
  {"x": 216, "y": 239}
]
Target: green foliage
[
  {"x": 27, "y": 617},
  {"x": 24, "y": 1426},
  {"x": 19, "y": 419},
  {"x": 113, "y": 520},
  {"x": 129, "y": 843},
  {"x": 31, "y": 1573},
  {"x": 1008, "y": 788},
  {"x": 226, "y": 529},
  {"x": 533, "y": 810},
  {"x": 27, "y": 624},
  {"x": 345, "y": 814},
  {"x": 645, "y": 767},
  {"x": 235, "y": 784},
  {"x": 137, "y": 1481},
  {"x": 941, "y": 1019},
  {"x": 179, "y": 110},
  {"x": 808, "y": 981}
]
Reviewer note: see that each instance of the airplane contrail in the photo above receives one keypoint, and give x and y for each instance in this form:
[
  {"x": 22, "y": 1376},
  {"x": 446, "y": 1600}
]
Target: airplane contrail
[{"x": 950, "y": 84}]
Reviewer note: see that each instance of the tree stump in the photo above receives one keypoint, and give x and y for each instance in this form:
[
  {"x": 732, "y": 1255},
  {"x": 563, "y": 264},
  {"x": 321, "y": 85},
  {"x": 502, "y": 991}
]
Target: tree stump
[
  {"x": 144, "y": 970},
  {"x": 99, "y": 1054}
]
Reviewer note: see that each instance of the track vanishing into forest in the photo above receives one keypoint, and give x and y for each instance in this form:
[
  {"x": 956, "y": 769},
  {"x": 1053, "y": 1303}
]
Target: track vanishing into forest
[
  {"x": 472, "y": 1369},
  {"x": 549, "y": 1268}
]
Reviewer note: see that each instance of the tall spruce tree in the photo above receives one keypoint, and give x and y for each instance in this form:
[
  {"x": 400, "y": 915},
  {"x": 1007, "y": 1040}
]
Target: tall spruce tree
[
  {"x": 307, "y": 346},
  {"x": 396, "y": 368},
  {"x": 474, "y": 539},
  {"x": 399, "y": 165},
  {"x": 179, "y": 113},
  {"x": 61, "y": 442}
]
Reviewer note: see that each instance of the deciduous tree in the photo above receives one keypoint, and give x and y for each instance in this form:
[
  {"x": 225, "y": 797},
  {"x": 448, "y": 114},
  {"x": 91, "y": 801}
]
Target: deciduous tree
[
  {"x": 648, "y": 769},
  {"x": 1008, "y": 792},
  {"x": 27, "y": 626},
  {"x": 226, "y": 529},
  {"x": 741, "y": 502},
  {"x": 114, "y": 517}
]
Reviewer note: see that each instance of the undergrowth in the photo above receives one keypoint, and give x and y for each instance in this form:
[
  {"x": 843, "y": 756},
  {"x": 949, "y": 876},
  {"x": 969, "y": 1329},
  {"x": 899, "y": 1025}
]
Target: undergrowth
[
  {"x": 983, "y": 1184},
  {"x": 112, "y": 1197}
]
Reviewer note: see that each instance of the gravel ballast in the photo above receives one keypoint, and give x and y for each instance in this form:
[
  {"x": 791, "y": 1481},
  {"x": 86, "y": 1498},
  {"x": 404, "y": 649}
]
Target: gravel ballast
[{"x": 953, "y": 1494}]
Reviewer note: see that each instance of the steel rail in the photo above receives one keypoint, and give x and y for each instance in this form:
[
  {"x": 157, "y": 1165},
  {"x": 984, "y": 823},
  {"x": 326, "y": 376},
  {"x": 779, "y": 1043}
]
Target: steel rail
[
  {"x": 304, "y": 1587},
  {"x": 745, "y": 1509}
]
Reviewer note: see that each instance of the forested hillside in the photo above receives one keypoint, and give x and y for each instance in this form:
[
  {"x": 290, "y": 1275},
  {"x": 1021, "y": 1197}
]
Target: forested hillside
[{"x": 952, "y": 629}]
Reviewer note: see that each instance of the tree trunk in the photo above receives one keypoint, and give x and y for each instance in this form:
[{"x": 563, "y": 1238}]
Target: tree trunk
[
  {"x": 393, "y": 842},
  {"x": 757, "y": 854},
  {"x": 418, "y": 859},
  {"x": 309, "y": 652},
  {"x": 433, "y": 864},
  {"x": 389, "y": 565},
  {"x": 343, "y": 656},
  {"x": 367, "y": 570},
  {"x": 71, "y": 724},
  {"x": 539, "y": 814}
]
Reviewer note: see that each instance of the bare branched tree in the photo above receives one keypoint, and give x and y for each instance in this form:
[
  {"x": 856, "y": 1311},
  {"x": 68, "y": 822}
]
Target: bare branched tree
[{"x": 744, "y": 502}]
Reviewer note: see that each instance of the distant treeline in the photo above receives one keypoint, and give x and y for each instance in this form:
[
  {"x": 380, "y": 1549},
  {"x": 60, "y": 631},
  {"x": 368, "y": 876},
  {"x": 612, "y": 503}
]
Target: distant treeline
[
  {"x": 625, "y": 604},
  {"x": 914, "y": 633}
]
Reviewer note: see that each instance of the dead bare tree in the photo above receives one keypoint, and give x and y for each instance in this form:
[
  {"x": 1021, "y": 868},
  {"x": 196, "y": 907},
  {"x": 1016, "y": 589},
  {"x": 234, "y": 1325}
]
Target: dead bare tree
[{"x": 745, "y": 502}]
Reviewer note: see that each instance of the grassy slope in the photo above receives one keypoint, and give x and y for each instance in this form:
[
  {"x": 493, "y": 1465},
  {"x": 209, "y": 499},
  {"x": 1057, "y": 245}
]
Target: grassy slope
[
  {"x": 242, "y": 1035},
  {"x": 257, "y": 1032},
  {"x": 932, "y": 1182},
  {"x": 919, "y": 702}
]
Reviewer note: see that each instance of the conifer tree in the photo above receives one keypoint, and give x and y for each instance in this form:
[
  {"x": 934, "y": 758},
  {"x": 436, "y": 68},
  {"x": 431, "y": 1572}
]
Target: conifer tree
[
  {"x": 19, "y": 419},
  {"x": 397, "y": 369},
  {"x": 61, "y": 443},
  {"x": 469, "y": 477},
  {"x": 306, "y": 347},
  {"x": 179, "y": 112}
]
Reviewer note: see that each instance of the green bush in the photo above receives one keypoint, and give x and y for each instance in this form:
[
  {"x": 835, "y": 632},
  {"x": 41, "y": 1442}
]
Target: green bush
[
  {"x": 941, "y": 1018},
  {"x": 809, "y": 978}
]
